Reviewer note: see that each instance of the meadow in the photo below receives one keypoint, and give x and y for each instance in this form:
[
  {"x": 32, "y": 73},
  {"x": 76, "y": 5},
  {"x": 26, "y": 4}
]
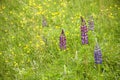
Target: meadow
[{"x": 29, "y": 51}]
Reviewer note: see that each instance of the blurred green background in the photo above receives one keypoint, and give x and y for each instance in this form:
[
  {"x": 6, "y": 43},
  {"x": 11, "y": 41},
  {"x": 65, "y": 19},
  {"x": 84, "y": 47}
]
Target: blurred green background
[{"x": 29, "y": 51}]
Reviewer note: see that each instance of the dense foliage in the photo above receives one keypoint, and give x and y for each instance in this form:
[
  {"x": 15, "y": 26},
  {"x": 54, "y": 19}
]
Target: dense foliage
[{"x": 29, "y": 40}]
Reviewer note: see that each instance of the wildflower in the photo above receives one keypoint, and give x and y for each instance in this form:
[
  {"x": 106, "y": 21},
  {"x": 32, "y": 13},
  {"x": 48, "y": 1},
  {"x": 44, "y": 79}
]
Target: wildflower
[
  {"x": 28, "y": 51},
  {"x": 101, "y": 10},
  {"x": 115, "y": 5},
  {"x": 15, "y": 64},
  {"x": 110, "y": 7},
  {"x": 84, "y": 31},
  {"x": 57, "y": 27},
  {"x": 54, "y": 2},
  {"x": 13, "y": 37},
  {"x": 42, "y": 42},
  {"x": 30, "y": 42},
  {"x": 91, "y": 23},
  {"x": 28, "y": 60},
  {"x": 97, "y": 54},
  {"x": 0, "y": 53},
  {"x": 6, "y": 31},
  {"x": 13, "y": 53},
  {"x": 22, "y": 62},
  {"x": 6, "y": 61},
  {"x": 26, "y": 47},
  {"x": 62, "y": 40},
  {"x": 3, "y": 7},
  {"x": 44, "y": 21},
  {"x": 107, "y": 9}
]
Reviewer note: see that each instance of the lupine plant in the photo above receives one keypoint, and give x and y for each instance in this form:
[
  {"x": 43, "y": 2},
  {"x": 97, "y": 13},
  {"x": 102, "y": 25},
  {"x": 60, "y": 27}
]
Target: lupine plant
[
  {"x": 84, "y": 30},
  {"x": 97, "y": 54},
  {"x": 62, "y": 40},
  {"x": 44, "y": 21},
  {"x": 91, "y": 23}
]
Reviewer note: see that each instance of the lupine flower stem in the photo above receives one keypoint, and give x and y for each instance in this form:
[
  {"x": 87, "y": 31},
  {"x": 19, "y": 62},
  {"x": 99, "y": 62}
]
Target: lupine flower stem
[
  {"x": 99, "y": 71},
  {"x": 85, "y": 62},
  {"x": 76, "y": 55},
  {"x": 94, "y": 36},
  {"x": 65, "y": 70}
]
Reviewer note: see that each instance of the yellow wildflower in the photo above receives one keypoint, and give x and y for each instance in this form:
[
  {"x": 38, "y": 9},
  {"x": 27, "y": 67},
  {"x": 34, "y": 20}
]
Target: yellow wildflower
[
  {"x": 0, "y": 53},
  {"x": 111, "y": 14},
  {"x": 6, "y": 61},
  {"x": 38, "y": 36},
  {"x": 30, "y": 42},
  {"x": 42, "y": 42},
  {"x": 101, "y": 10},
  {"x": 15, "y": 64},
  {"x": 11, "y": 12},
  {"x": 63, "y": 4},
  {"x": 26, "y": 47},
  {"x": 22, "y": 61},
  {"x": 11, "y": 22},
  {"x": 22, "y": 54},
  {"x": 37, "y": 45},
  {"x": 54, "y": 2},
  {"x": 38, "y": 13},
  {"x": 1, "y": 12},
  {"x": 57, "y": 27},
  {"x": 13, "y": 37},
  {"x": 76, "y": 29},
  {"x": 3, "y": 7},
  {"x": 67, "y": 49},
  {"x": 110, "y": 7},
  {"x": 115, "y": 5},
  {"x": 107, "y": 9},
  {"x": 28, "y": 60},
  {"x": 28, "y": 51},
  {"x": 94, "y": 15},
  {"x": 12, "y": 53},
  {"x": 67, "y": 33},
  {"x": 6, "y": 30}
]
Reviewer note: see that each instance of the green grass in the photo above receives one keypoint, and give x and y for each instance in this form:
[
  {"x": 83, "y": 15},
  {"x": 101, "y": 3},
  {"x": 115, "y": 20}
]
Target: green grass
[{"x": 26, "y": 55}]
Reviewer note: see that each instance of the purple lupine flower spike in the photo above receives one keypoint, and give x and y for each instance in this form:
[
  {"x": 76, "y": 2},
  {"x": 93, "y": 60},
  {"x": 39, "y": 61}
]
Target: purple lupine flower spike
[
  {"x": 97, "y": 54},
  {"x": 91, "y": 23},
  {"x": 44, "y": 21},
  {"x": 62, "y": 40},
  {"x": 84, "y": 36}
]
